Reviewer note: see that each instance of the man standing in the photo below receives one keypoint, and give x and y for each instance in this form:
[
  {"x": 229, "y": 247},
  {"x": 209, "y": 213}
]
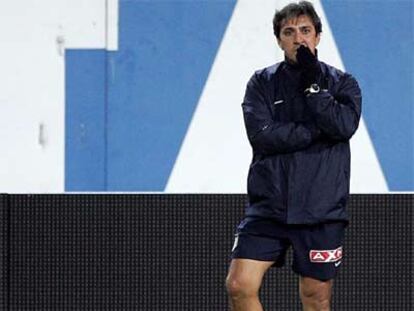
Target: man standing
[{"x": 300, "y": 115}]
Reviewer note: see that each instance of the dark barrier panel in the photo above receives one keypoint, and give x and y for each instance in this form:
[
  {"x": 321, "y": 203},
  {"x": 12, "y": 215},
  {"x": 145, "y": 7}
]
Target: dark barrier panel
[
  {"x": 4, "y": 251},
  {"x": 170, "y": 252}
]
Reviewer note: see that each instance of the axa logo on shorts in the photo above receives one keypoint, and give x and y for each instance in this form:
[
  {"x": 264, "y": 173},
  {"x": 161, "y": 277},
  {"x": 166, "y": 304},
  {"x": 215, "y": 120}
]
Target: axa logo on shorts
[{"x": 325, "y": 256}]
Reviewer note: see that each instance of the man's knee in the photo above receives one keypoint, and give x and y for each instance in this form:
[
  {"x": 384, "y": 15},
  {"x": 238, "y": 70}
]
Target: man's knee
[
  {"x": 239, "y": 287},
  {"x": 316, "y": 301}
]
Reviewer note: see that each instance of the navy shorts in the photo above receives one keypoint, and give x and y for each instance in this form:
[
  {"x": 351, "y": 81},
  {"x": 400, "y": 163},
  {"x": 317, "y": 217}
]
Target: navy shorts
[{"x": 317, "y": 249}]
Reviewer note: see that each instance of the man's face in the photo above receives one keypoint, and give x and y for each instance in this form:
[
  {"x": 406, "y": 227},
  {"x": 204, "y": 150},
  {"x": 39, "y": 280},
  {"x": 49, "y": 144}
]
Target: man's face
[{"x": 296, "y": 32}]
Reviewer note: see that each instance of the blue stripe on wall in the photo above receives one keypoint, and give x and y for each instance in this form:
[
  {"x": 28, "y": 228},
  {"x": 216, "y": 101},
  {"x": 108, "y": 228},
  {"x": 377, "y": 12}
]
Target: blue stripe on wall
[
  {"x": 152, "y": 83},
  {"x": 376, "y": 41},
  {"x": 155, "y": 80},
  {"x": 85, "y": 120}
]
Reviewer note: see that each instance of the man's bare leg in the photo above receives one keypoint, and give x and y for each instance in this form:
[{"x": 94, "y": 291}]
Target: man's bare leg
[
  {"x": 243, "y": 283},
  {"x": 315, "y": 294}
]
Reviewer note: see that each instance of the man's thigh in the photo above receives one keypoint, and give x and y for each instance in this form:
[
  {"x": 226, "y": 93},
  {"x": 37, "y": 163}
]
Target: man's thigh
[
  {"x": 248, "y": 273},
  {"x": 315, "y": 294}
]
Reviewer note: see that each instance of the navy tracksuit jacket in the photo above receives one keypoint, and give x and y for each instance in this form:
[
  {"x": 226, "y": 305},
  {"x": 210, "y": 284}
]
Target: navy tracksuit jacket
[{"x": 300, "y": 170}]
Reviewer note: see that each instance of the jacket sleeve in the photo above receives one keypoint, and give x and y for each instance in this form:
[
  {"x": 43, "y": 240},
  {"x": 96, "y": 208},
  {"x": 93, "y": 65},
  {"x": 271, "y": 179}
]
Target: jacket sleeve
[
  {"x": 267, "y": 136},
  {"x": 338, "y": 117}
]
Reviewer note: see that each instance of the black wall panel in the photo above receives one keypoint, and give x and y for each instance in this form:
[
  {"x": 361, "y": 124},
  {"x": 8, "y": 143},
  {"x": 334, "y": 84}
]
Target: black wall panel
[
  {"x": 171, "y": 252},
  {"x": 4, "y": 251}
]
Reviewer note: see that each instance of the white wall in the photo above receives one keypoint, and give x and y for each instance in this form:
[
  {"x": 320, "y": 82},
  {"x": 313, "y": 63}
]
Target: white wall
[{"x": 34, "y": 36}]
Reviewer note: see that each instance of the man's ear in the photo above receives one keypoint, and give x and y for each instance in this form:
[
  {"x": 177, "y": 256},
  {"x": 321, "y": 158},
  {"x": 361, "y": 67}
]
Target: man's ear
[
  {"x": 318, "y": 38},
  {"x": 278, "y": 43}
]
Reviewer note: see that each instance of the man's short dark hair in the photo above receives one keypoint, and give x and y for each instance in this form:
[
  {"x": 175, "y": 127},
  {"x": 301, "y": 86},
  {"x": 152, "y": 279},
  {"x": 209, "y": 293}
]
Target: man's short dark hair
[{"x": 294, "y": 10}]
